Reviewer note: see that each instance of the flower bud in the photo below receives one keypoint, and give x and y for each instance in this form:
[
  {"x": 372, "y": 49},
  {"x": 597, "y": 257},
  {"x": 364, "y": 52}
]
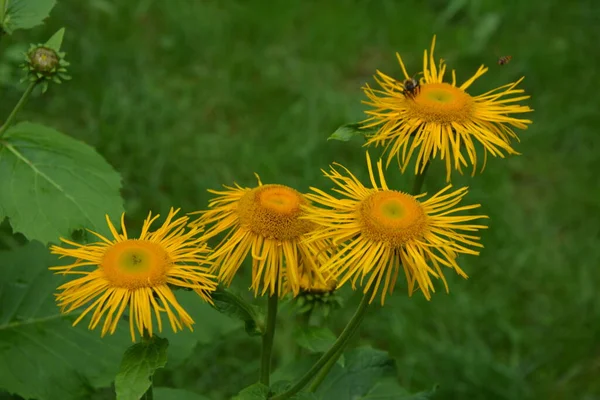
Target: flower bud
[
  {"x": 44, "y": 60},
  {"x": 44, "y": 64},
  {"x": 317, "y": 296}
]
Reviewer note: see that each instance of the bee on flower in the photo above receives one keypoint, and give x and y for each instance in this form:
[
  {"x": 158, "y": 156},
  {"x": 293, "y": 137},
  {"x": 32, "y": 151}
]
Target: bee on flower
[{"x": 432, "y": 118}]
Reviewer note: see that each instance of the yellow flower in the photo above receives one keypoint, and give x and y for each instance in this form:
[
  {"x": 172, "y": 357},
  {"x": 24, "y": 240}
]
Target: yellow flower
[
  {"x": 381, "y": 229},
  {"x": 264, "y": 221},
  {"x": 136, "y": 273},
  {"x": 442, "y": 118}
]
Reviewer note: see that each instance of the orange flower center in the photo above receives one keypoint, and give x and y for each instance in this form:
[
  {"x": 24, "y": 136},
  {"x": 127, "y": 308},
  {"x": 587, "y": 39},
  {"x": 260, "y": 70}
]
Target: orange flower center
[
  {"x": 273, "y": 212},
  {"x": 441, "y": 103},
  {"x": 134, "y": 264},
  {"x": 393, "y": 217}
]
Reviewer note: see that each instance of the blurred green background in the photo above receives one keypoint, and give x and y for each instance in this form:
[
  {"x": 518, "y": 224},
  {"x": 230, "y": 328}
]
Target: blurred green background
[{"x": 182, "y": 96}]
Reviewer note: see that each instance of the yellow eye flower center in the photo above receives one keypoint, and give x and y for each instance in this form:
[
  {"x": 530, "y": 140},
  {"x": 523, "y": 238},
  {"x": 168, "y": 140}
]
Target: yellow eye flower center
[
  {"x": 441, "y": 103},
  {"x": 392, "y": 217},
  {"x": 272, "y": 211},
  {"x": 136, "y": 263}
]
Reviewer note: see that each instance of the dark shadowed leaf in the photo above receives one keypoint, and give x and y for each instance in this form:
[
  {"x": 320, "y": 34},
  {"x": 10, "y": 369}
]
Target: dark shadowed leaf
[
  {"x": 163, "y": 393},
  {"x": 235, "y": 306},
  {"x": 209, "y": 325},
  {"x": 258, "y": 391},
  {"x": 41, "y": 355},
  {"x": 389, "y": 389},
  {"x": 364, "y": 367}
]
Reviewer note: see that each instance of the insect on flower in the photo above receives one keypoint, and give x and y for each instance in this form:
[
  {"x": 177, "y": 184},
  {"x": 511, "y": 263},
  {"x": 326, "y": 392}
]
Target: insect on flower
[
  {"x": 504, "y": 60},
  {"x": 411, "y": 87}
]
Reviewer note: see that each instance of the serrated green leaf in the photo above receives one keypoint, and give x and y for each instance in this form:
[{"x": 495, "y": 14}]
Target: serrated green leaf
[
  {"x": 233, "y": 305},
  {"x": 52, "y": 184},
  {"x": 41, "y": 355},
  {"x": 258, "y": 391},
  {"x": 25, "y": 14},
  {"x": 163, "y": 393},
  {"x": 314, "y": 338},
  {"x": 364, "y": 367},
  {"x": 55, "y": 41},
  {"x": 140, "y": 361},
  {"x": 350, "y": 131}
]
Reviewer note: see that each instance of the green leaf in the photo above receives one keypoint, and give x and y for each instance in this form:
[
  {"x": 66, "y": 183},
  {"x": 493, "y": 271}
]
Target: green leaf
[
  {"x": 282, "y": 386},
  {"x": 41, "y": 355},
  {"x": 51, "y": 184},
  {"x": 350, "y": 131},
  {"x": 304, "y": 396},
  {"x": 258, "y": 391},
  {"x": 235, "y": 306},
  {"x": 163, "y": 393},
  {"x": 140, "y": 361},
  {"x": 389, "y": 389},
  {"x": 364, "y": 367},
  {"x": 25, "y": 14},
  {"x": 210, "y": 324},
  {"x": 55, "y": 41},
  {"x": 287, "y": 374},
  {"x": 315, "y": 338}
]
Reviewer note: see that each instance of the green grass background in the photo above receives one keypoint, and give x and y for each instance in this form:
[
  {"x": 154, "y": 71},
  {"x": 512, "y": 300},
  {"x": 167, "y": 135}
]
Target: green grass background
[{"x": 182, "y": 96}]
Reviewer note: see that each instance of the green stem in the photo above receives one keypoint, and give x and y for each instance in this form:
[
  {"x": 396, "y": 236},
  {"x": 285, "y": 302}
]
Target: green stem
[
  {"x": 327, "y": 367},
  {"x": 336, "y": 350},
  {"x": 419, "y": 179},
  {"x": 17, "y": 108},
  {"x": 3, "y": 5},
  {"x": 267, "y": 339},
  {"x": 325, "y": 371}
]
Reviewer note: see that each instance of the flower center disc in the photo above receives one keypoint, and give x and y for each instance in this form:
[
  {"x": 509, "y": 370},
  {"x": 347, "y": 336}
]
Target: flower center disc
[
  {"x": 441, "y": 103},
  {"x": 272, "y": 211},
  {"x": 135, "y": 264},
  {"x": 392, "y": 217}
]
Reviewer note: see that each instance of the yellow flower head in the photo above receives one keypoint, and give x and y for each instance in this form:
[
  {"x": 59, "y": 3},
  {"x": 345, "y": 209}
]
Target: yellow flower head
[
  {"x": 381, "y": 229},
  {"x": 442, "y": 117},
  {"x": 136, "y": 273},
  {"x": 264, "y": 221}
]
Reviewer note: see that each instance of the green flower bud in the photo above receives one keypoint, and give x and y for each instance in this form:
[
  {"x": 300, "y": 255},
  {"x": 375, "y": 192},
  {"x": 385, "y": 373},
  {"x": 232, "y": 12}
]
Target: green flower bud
[
  {"x": 44, "y": 60},
  {"x": 44, "y": 64}
]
